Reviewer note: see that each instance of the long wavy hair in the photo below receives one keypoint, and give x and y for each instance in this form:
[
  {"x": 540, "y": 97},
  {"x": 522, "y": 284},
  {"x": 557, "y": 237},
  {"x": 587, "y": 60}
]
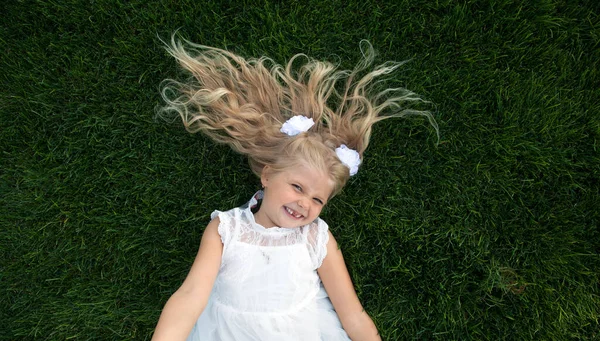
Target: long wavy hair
[{"x": 244, "y": 102}]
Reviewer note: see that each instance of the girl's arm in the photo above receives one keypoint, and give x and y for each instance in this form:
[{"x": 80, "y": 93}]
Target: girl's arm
[
  {"x": 187, "y": 303},
  {"x": 338, "y": 285}
]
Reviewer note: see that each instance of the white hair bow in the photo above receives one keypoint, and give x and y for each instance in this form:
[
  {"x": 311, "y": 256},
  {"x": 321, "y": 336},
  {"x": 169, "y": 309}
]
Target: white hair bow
[
  {"x": 296, "y": 125},
  {"x": 349, "y": 157}
]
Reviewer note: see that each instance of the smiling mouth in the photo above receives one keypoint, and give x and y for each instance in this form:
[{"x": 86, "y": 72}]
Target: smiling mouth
[{"x": 293, "y": 213}]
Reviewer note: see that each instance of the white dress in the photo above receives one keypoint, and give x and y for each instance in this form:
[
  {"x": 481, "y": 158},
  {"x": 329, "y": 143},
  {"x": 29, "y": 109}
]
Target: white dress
[{"x": 268, "y": 287}]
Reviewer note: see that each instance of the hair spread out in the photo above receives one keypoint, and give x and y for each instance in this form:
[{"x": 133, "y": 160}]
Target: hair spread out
[{"x": 244, "y": 102}]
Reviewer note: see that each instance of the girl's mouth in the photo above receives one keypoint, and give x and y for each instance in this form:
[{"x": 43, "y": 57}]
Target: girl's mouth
[{"x": 292, "y": 213}]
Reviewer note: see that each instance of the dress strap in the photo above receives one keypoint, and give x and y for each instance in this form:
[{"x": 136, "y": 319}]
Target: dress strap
[{"x": 254, "y": 200}]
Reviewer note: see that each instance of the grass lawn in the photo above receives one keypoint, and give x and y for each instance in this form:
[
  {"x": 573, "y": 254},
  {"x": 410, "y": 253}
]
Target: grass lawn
[{"x": 492, "y": 234}]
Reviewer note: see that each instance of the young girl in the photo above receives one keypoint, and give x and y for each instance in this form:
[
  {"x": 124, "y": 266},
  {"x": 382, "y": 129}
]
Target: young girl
[{"x": 271, "y": 270}]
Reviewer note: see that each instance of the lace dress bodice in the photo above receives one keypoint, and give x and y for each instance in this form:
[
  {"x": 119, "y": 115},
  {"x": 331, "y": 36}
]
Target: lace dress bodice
[
  {"x": 268, "y": 270},
  {"x": 267, "y": 287}
]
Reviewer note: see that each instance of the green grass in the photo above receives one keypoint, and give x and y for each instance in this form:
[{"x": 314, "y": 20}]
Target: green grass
[{"x": 490, "y": 235}]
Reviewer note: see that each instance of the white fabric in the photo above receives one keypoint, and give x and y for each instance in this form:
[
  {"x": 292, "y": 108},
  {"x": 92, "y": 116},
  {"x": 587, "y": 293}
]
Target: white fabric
[
  {"x": 268, "y": 287},
  {"x": 349, "y": 157},
  {"x": 296, "y": 125}
]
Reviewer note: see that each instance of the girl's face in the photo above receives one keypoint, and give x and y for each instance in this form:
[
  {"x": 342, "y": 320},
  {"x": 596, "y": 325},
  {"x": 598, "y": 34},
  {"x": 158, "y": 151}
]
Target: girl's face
[{"x": 292, "y": 198}]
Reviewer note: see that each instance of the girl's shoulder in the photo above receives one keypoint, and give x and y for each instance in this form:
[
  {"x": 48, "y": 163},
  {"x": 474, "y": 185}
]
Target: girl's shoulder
[
  {"x": 229, "y": 223},
  {"x": 317, "y": 227},
  {"x": 317, "y": 237}
]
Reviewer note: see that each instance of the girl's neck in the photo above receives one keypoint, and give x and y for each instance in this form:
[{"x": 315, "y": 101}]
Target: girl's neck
[{"x": 262, "y": 220}]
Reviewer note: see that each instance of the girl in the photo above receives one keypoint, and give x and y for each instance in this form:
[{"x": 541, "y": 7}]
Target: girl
[{"x": 271, "y": 270}]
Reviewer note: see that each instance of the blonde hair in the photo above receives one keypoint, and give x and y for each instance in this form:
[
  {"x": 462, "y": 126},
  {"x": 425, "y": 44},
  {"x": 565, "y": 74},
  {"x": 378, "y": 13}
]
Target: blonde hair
[{"x": 244, "y": 102}]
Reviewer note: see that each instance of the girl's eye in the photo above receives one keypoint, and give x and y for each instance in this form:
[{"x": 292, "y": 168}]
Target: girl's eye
[
  {"x": 319, "y": 201},
  {"x": 298, "y": 188}
]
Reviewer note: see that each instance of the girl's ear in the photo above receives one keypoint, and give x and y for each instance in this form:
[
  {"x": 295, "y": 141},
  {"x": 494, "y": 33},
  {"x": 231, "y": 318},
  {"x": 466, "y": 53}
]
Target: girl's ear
[{"x": 264, "y": 176}]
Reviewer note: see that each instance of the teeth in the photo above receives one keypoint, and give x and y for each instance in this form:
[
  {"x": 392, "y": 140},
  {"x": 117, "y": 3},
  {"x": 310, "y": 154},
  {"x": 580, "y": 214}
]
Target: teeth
[{"x": 292, "y": 213}]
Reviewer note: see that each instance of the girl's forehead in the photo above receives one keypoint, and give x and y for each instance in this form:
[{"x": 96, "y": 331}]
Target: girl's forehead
[{"x": 306, "y": 171}]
